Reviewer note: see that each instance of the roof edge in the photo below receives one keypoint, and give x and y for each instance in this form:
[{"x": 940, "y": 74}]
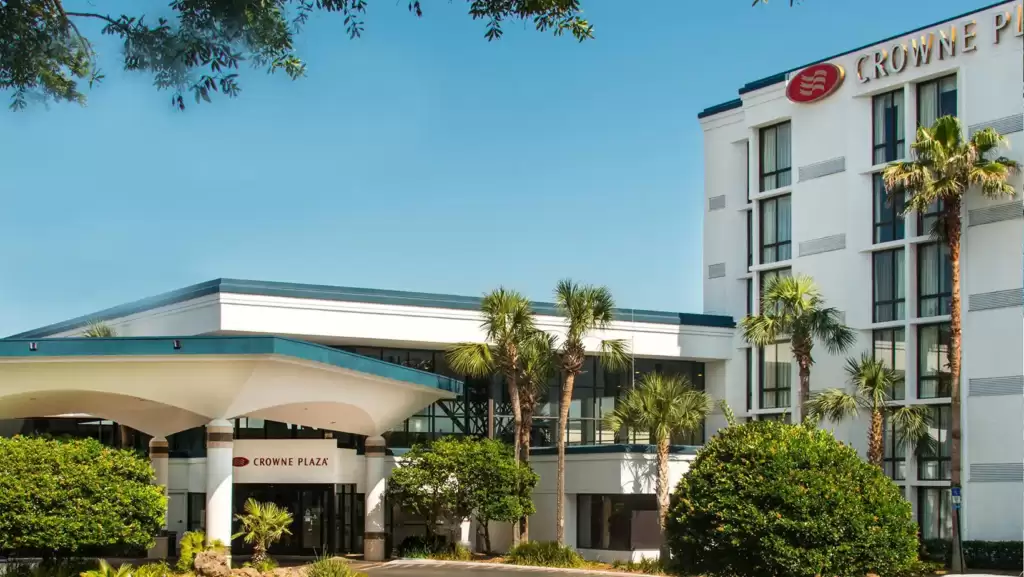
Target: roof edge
[{"x": 720, "y": 108}]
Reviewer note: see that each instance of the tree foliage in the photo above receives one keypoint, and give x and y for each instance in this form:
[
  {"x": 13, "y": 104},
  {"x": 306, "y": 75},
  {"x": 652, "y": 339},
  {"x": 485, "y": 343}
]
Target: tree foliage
[
  {"x": 46, "y": 49},
  {"x": 261, "y": 525},
  {"x": 768, "y": 499},
  {"x": 60, "y": 498},
  {"x": 456, "y": 478}
]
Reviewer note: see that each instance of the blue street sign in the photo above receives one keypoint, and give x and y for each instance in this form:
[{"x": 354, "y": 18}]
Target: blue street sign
[{"x": 956, "y": 491}]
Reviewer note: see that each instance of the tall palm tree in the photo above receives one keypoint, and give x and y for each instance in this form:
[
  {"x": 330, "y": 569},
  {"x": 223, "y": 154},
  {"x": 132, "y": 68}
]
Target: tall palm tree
[
  {"x": 586, "y": 308},
  {"x": 872, "y": 383},
  {"x": 664, "y": 405},
  {"x": 794, "y": 307},
  {"x": 944, "y": 166},
  {"x": 262, "y": 525},
  {"x": 508, "y": 323}
]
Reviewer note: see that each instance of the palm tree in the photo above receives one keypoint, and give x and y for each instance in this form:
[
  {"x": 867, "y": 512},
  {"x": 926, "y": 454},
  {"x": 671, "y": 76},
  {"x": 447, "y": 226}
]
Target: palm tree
[
  {"x": 262, "y": 525},
  {"x": 508, "y": 323},
  {"x": 664, "y": 405},
  {"x": 872, "y": 383},
  {"x": 944, "y": 166},
  {"x": 794, "y": 306},
  {"x": 99, "y": 330},
  {"x": 586, "y": 308}
]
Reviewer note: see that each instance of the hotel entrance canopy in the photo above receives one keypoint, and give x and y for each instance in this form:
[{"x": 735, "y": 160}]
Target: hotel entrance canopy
[{"x": 161, "y": 386}]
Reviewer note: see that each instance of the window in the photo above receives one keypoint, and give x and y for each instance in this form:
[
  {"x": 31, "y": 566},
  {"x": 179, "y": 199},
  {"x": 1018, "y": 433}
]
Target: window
[
  {"x": 750, "y": 379},
  {"x": 933, "y": 513},
  {"x": 887, "y": 110},
  {"x": 766, "y": 278},
  {"x": 926, "y": 220},
  {"x": 750, "y": 239},
  {"x": 196, "y": 512},
  {"x": 780, "y": 417},
  {"x": 933, "y": 361},
  {"x": 750, "y": 296},
  {"x": 934, "y": 280},
  {"x": 894, "y": 456},
  {"x": 889, "y": 293},
  {"x": 617, "y": 522},
  {"x": 890, "y": 347},
  {"x": 776, "y": 157},
  {"x": 933, "y": 462},
  {"x": 776, "y": 235},
  {"x": 889, "y": 222},
  {"x": 775, "y": 377},
  {"x": 935, "y": 99}
]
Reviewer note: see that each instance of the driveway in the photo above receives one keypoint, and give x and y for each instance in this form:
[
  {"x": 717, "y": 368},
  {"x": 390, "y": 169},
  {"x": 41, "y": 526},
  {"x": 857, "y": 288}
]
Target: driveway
[{"x": 418, "y": 568}]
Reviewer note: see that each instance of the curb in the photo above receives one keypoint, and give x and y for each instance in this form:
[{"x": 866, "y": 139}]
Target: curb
[{"x": 502, "y": 566}]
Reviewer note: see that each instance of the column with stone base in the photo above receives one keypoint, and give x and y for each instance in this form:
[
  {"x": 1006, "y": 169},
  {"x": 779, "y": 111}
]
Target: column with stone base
[
  {"x": 158, "y": 454},
  {"x": 219, "y": 445},
  {"x": 374, "y": 535}
]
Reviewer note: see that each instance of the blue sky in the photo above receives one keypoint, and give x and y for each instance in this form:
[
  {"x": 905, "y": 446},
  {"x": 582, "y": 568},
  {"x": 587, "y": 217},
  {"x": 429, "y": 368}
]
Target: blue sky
[{"x": 420, "y": 157}]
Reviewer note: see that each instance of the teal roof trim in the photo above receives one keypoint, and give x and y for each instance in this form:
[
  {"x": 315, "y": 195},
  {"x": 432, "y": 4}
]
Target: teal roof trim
[
  {"x": 731, "y": 105},
  {"x": 612, "y": 449},
  {"x": 349, "y": 294},
  {"x": 781, "y": 76},
  {"x": 222, "y": 345}
]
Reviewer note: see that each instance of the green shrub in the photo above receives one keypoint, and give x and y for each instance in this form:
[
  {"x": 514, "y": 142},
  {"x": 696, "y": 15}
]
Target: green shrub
[
  {"x": 331, "y": 567},
  {"x": 53, "y": 568},
  {"x": 107, "y": 570},
  {"x": 646, "y": 565},
  {"x": 544, "y": 554},
  {"x": 771, "y": 499},
  {"x": 936, "y": 550},
  {"x": 419, "y": 547},
  {"x": 158, "y": 569},
  {"x": 998, "y": 555},
  {"x": 192, "y": 543},
  {"x": 456, "y": 552},
  {"x": 265, "y": 565},
  {"x": 60, "y": 498}
]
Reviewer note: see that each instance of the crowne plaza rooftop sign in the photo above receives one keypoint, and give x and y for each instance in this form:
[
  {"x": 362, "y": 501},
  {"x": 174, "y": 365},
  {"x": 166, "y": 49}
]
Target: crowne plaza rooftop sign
[{"x": 941, "y": 43}]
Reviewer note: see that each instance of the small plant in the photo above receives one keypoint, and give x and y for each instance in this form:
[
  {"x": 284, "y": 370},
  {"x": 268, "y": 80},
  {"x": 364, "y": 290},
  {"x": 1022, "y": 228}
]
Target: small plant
[
  {"x": 105, "y": 570},
  {"x": 265, "y": 566},
  {"x": 419, "y": 547},
  {"x": 158, "y": 569},
  {"x": 544, "y": 554},
  {"x": 192, "y": 543},
  {"x": 455, "y": 552},
  {"x": 263, "y": 524},
  {"x": 331, "y": 567}
]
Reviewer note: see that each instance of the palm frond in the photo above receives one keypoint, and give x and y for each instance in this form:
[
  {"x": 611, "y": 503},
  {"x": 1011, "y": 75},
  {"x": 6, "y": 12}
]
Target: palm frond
[
  {"x": 473, "y": 359},
  {"x": 761, "y": 330},
  {"x": 913, "y": 425},
  {"x": 615, "y": 355},
  {"x": 833, "y": 404},
  {"x": 827, "y": 326},
  {"x": 539, "y": 362},
  {"x": 585, "y": 307},
  {"x": 661, "y": 404},
  {"x": 730, "y": 416},
  {"x": 99, "y": 330}
]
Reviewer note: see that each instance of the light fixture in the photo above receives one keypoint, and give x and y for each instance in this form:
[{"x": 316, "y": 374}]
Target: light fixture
[
  {"x": 33, "y": 346},
  {"x": 177, "y": 344}
]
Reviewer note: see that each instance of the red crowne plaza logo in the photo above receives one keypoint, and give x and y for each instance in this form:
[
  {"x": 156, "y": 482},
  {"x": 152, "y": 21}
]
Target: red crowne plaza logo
[
  {"x": 239, "y": 462},
  {"x": 815, "y": 82}
]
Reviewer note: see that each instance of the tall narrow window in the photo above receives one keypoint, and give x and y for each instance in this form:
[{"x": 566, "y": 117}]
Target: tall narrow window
[
  {"x": 750, "y": 379},
  {"x": 776, "y": 232},
  {"x": 935, "y": 99},
  {"x": 933, "y": 513},
  {"x": 750, "y": 239},
  {"x": 889, "y": 223},
  {"x": 776, "y": 378},
  {"x": 776, "y": 157},
  {"x": 934, "y": 280},
  {"x": 888, "y": 126},
  {"x": 890, "y": 347},
  {"x": 894, "y": 456},
  {"x": 927, "y": 219},
  {"x": 750, "y": 296},
  {"x": 933, "y": 462},
  {"x": 890, "y": 299},
  {"x": 933, "y": 374}
]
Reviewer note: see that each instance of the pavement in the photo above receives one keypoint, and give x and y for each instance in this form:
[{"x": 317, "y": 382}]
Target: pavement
[{"x": 427, "y": 568}]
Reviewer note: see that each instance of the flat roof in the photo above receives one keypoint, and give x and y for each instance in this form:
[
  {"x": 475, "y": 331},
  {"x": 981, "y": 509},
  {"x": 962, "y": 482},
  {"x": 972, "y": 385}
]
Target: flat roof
[
  {"x": 349, "y": 294},
  {"x": 781, "y": 76},
  {"x": 221, "y": 345}
]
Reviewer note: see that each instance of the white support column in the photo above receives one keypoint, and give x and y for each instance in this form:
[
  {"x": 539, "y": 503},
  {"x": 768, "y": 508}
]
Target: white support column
[
  {"x": 219, "y": 444},
  {"x": 375, "y": 534},
  {"x": 158, "y": 453}
]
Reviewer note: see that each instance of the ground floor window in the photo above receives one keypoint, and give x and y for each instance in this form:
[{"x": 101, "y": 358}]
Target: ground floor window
[
  {"x": 933, "y": 513},
  {"x": 616, "y": 522},
  {"x": 196, "y": 513}
]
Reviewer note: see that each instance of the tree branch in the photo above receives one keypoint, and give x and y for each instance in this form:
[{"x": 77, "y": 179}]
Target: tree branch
[{"x": 92, "y": 15}]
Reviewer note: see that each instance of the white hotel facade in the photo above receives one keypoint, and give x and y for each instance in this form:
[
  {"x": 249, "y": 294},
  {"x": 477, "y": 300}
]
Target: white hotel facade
[
  {"x": 793, "y": 188},
  {"x": 308, "y": 395}
]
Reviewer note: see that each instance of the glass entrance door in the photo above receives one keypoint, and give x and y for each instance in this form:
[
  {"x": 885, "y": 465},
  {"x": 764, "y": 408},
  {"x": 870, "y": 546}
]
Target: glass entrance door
[{"x": 312, "y": 522}]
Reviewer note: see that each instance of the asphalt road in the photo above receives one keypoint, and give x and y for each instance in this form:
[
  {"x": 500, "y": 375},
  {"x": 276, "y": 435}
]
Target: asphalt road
[{"x": 416, "y": 569}]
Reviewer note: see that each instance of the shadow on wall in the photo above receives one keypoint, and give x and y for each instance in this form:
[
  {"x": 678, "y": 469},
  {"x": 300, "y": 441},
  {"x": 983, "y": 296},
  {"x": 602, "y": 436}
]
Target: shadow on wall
[{"x": 643, "y": 471}]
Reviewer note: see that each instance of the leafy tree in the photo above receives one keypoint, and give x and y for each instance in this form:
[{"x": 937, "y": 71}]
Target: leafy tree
[
  {"x": 794, "y": 306},
  {"x": 262, "y": 525},
  {"x": 872, "y": 385},
  {"x": 48, "y": 49},
  {"x": 500, "y": 485},
  {"x": 767, "y": 499},
  {"x": 944, "y": 167},
  {"x": 60, "y": 498},
  {"x": 664, "y": 405},
  {"x": 586, "y": 308}
]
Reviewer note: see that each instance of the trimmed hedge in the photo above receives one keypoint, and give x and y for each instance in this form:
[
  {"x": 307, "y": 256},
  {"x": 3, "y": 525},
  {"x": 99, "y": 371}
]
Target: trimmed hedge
[
  {"x": 766, "y": 499},
  {"x": 544, "y": 554},
  {"x": 998, "y": 555}
]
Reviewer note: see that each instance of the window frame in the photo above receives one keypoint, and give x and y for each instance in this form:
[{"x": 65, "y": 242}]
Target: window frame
[
  {"x": 896, "y": 149},
  {"x": 776, "y": 246},
  {"x": 750, "y": 238},
  {"x": 894, "y": 453},
  {"x": 943, "y": 462},
  {"x": 778, "y": 172},
  {"x": 890, "y": 210},
  {"x": 762, "y": 372},
  {"x": 890, "y": 360},
  {"x": 894, "y": 285},
  {"x": 944, "y": 296},
  {"x": 938, "y": 96},
  {"x": 943, "y": 511},
  {"x": 943, "y": 381}
]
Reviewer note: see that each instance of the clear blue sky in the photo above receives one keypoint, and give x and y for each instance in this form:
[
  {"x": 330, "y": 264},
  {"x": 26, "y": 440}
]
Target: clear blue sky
[{"x": 420, "y": 157}]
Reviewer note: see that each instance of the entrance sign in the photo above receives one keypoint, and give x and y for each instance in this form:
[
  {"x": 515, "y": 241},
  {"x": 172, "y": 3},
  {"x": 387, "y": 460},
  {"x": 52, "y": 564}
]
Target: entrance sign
[
  {"x": 815, "y": 82},
  {"x": 285, "y": 461},
  {"x": 940, "y": 44}
]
